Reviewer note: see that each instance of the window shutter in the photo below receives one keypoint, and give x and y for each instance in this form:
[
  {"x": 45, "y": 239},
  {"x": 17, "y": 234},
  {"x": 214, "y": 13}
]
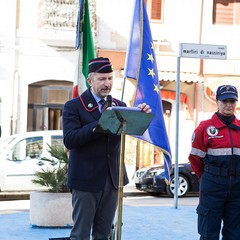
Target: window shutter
[
  {"x": 156, "y": 10},
  {"x": 223, "y": 12}
]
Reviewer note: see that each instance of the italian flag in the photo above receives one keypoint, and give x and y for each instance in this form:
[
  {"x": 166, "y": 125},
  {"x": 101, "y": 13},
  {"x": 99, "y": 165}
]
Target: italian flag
[{"x": 84, "y": 49}]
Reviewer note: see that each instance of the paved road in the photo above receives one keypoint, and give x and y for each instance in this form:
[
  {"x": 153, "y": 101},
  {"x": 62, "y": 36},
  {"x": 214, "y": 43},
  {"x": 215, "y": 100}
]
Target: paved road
[
  {"x": 137, "y": 201},
  {"x": 160, "y": 201},
  {"x": 134, "y": 197},
  {"x": 19, "y": 201}
]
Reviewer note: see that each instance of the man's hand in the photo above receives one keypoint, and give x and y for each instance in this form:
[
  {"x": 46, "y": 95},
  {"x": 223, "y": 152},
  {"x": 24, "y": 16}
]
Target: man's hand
[{"x": 145, "y": 108}]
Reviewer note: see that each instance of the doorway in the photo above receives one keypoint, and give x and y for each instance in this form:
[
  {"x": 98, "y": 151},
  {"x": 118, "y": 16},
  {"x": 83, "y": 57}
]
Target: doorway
[{"x": 45, "y": 104}]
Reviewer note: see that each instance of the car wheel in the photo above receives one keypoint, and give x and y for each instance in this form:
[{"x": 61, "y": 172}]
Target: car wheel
[{"x": 183, "y": 186}]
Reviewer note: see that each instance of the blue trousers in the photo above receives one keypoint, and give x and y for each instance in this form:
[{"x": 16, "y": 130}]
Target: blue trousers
[
  {"x": 219, "y": 207},
  {"x": 93, "y": 213}
]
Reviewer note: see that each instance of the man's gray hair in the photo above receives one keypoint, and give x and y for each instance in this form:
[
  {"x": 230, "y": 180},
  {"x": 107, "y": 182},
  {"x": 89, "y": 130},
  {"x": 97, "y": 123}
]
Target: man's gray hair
[{"x": 91, "y": 75}]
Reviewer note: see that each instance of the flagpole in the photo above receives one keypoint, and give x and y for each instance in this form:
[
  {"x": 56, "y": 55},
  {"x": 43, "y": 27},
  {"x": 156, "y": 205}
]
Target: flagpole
[
  {"x": 176, "y": 170},
  {"x": 123, "y": 88}
]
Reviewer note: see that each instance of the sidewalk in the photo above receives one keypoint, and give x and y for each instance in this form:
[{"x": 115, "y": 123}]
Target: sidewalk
[
  {"x": 145, "y": 223},
  {"x": 141, "y": 222}
]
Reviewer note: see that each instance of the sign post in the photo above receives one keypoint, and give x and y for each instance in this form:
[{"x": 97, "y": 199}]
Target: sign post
[{"x": 191, "y": 50}]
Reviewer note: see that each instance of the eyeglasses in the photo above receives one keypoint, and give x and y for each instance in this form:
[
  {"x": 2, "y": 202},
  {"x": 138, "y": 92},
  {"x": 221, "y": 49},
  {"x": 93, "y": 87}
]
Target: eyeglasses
[{"x": 229, "y": 101}]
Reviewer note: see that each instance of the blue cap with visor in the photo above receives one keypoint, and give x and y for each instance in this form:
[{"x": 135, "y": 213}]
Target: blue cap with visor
[{"x": 227, "y": 92}]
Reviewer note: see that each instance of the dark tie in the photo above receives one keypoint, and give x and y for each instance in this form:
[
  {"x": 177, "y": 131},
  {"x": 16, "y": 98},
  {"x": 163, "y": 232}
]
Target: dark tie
[{"x": 102, "y": 102}]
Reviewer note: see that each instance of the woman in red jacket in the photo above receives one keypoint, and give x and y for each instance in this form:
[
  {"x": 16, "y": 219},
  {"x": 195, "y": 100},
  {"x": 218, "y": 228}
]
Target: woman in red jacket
[{"x": 215, "y": 158}]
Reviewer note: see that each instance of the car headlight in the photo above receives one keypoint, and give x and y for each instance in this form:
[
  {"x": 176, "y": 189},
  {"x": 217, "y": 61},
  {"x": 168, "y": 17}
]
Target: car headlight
[
  {"x": 139, "y": 174},
  {"x": 157, "y": 172}
]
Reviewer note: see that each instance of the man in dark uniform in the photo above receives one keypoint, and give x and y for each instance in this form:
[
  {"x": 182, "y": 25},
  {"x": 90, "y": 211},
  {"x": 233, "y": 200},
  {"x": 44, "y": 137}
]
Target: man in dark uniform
[
  {"x": 94, "y": 157},
  {"x": 215, "y": 158}
]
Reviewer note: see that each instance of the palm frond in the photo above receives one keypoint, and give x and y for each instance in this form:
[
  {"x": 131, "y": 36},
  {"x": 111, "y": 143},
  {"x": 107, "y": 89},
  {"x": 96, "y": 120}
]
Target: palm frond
[{"x": 54, "y": 178}]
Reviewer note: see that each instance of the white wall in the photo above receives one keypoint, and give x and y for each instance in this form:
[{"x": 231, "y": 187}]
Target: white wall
[
  {"x": 7, "y": 61},
  {"x": 33, "y": 57},
  {"x": 114, "y": 20}
]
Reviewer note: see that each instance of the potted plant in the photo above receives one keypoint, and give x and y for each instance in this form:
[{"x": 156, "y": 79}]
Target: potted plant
[{"x": 52, "y": 207}]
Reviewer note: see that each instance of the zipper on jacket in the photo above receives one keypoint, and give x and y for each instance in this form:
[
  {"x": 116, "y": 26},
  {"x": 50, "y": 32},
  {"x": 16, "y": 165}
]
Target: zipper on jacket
[{"x": 232, "y": 158}]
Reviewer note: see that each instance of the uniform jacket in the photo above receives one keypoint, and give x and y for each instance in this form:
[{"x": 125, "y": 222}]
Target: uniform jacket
[
  {"x": 215, "y": 144},
  {"x": 92, "y": 156}
]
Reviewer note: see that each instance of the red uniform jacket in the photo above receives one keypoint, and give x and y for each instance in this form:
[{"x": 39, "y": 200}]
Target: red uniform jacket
[{"x": 214, "y": 143}]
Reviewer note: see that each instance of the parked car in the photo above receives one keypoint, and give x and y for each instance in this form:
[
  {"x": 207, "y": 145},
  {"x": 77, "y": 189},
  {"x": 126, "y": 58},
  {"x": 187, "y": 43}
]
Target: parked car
[
  {"x": 20, "y": 157},
  {"x": 152, "y": 180}
]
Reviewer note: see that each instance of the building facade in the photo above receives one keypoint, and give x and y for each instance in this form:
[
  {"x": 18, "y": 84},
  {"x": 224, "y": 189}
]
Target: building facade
[{"x": 38, "y": 58}]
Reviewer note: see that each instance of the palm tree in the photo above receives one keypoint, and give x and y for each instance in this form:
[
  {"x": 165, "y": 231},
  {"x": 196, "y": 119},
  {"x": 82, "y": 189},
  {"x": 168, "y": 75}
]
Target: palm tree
[{"x": 54, "y": 178}]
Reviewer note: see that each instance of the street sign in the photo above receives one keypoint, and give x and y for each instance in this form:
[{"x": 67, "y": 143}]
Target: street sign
[{"x": 206, "y": 51}]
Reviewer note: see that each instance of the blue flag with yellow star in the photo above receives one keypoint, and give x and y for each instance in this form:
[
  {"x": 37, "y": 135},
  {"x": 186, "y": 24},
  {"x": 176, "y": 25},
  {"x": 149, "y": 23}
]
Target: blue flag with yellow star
[{"x": 141, "y": 65}]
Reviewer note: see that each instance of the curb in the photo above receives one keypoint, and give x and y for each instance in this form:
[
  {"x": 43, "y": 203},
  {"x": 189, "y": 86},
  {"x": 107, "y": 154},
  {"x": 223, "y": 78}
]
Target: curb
[{"x": 8, "y": 196}]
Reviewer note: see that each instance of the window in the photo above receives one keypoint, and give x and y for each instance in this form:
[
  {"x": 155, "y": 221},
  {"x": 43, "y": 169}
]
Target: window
[
  {"x": 28, "y": 148},
  {"x": 57, "y": 141},
  {"x": 154, "y": 9},
  {"x": 226, "y": 12}
]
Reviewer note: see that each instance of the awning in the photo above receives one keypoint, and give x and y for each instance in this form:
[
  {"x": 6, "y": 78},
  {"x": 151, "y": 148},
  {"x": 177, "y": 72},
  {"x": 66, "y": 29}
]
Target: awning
[
  {"x": 166, "y": 94},
  {"x": 184, "y": 76}
]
